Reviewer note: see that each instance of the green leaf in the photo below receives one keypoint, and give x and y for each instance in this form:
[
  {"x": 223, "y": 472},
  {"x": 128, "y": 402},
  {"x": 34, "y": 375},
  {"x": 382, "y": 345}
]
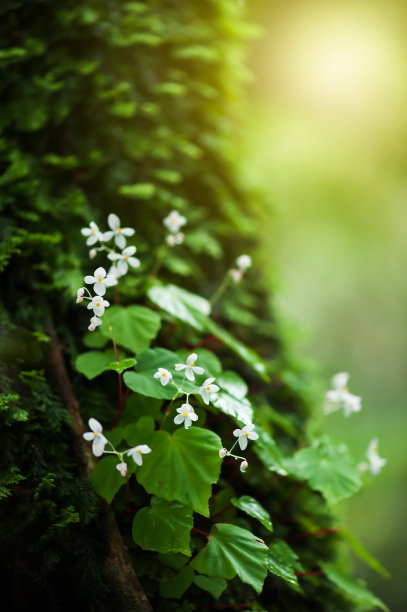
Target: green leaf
[
  {"x": 214, "y": 586},
  {"x": 95, "y": 339},
  {"x": 140, "y": 191},
  {"x": 232, "y": 550},
  {"x": 133, "y": 327},
  {"x": 252, "y": 507},
  {"x": 182, "y": 467},
  {"x": 244, "y": 352},
  {"x": 183, "y": 305},
  {"x": 364, "y": 554},
  {"x": 138, "y": 405},
  {"x": 120, "y": 366},
  {"x": 329, "y": 469},
  {"x": 354, "y": 590},
  {"x": 106, "y": 478},
  {"x": 268, "y": 452},
  {"x": 231, "y": 398},
  {"x": 283, "y": 561},
  {"x": 163, "y": 526},
  {"x": 140, "y": 432},
  {"x": 93, "y": 363},
  {"x": 142, "y": 381},
  {"x": 175, "y": 586}
]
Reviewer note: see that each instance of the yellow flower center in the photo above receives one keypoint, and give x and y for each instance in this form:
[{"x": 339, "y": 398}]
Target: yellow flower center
[
  {"x": 119, "y": 229},
  {"x": 246, "y": 434},
  {"x": 185, "y": 413},
  {"x": 192, "y": 364},
  {"x": 346, "y": 388},
  {"x": 208, "y": 387},
  {"x": 126, "y": 257},
  {"x": 95, "y": 434},
  {"x": 92, "y": 231},
  {"x": 163, "y": 374},
  {"x": 97, "y": 303},
  {"x": 100, "y": 279},
  {"x": 139, "y": 450}
]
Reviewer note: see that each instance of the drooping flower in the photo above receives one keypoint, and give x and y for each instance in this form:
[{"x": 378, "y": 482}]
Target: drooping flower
[
  {"x": 190, "y": 368},
  {"x": 122, "y": 467},
  {"x": 79, "y": 295},
  {"x": 92, "y": 232},
  {"x": 339, "y": 396},
  {"x": 98, "y": 304},
  {"x": 175, "y": 239},
  {"x": 117, "y": 231},
  {"x": 244, "y": 434},
  {"x": 374, "y": 462},
  {"x": 174, "y": 221},
  {"x": 124, "y": 259},
  {"x": 207, "y": 388},
  {"x": 164, "y": 375},
  {"x": 244, "y": 262},
  {"x": 186, "y": 415},
  {"x": 243, "y": 466},
  {"x": 100, "y": 281},
  {"x": 94, "y": 322},
  {"x": 137, "y": 451},
  {"x": 223, "y": 452},
  {"x": 98, "y": 439}
]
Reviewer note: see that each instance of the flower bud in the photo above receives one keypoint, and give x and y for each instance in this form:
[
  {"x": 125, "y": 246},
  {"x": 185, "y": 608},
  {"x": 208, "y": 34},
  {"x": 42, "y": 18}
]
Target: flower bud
[
  {"x": 179, "y": 238},
  {"x": 91, "y": 327},
  {"x": 243, "y": 466},
  {"x": 222, "y": 453},
  {"x": 171, "y": 240},
  {"x": 236, "y": 275},
  {"x": 122, "y": 467},
  {"x": 79, "y": 295},
  {"x": 92, "y": 253}
]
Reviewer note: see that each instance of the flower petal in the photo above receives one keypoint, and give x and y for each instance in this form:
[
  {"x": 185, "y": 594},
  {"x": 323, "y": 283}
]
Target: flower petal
[
  {"x": 237, "y": 432},
  {"x": 192, "y": 358},
  {"x": 98, "y": 445},
  {"x": 242, "y": 442},
  {"x": 128, "y": 231},
  {"x": 113, "y": 221},
  {"x": 89, "y": 435},
  {"x": 134, "y": 262},
  {"x": 99, "y": 288},
  {"x": 120, "y": 241},
  {"x": 89, "y": 279},
  {"x": 198, "y": 370},
  {"x": 179, "y": 419},
  {"x": 95, "y": 425}
]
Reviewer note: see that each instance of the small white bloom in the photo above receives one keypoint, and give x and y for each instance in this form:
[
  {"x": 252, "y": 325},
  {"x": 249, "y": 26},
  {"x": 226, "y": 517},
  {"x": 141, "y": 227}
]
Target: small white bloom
[
  {"x": 100, "y": 281},
  {"x": 164, "y": 375},
  {"x": 339, "y": 396},
  {"x": 92, "y": 253},
  {"x": 174, "y": 221},
  {"x": 79, "y": 295},
  {"x": 92, "y": 232},
  {"x": 243, "y": 466},
  {"x": 244, "y": 262},
  {"x": 236, "y": 275},
  {"x": 245, "y": 434},
  {"x": 117, "y": 231},
  {"x": 122, "y": 467},
  {"x": 375, "y": 462},
  {"x": 190, "y": 367},
  {"x": 98, "y": 439},
  {"x": 94, "y": 322},
  {"x": 223, "y": 452},
  {"x": 138, "y": 451},
  {"x": 207, "y": 388},
  {"x": 124, "y": 259},
  {"x": 175, "y": 239},
  {"x": 185, "y": 415},
  {"x": 98, "y": 304}
]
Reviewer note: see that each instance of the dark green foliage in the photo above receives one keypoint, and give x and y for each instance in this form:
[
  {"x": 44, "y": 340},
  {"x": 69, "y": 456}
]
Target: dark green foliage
[{"x": 132, "y": 107}]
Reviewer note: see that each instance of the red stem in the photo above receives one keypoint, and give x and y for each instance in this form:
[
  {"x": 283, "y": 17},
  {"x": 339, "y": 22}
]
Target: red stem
[{"x": 204, "y": 533}]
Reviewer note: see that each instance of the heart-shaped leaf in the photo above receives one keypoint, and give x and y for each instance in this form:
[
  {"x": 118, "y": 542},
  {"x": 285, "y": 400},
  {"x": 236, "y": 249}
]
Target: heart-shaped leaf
[
  {"x": 283, "y": 562},
  {"x": 181, "y": 304},
  {"x": 133, "y": 327}
]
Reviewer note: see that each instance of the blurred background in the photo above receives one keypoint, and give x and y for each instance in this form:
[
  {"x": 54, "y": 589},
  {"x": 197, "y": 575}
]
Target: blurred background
[{"x": 327, "y": 134}]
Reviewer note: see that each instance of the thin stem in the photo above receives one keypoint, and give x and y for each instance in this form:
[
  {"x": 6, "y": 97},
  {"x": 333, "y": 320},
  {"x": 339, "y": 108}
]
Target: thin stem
[
  {"x": 168, "y": 411},
  {"x": 161, "y": 253},
  {"x": 220, "y": 290},
  {"x": 120, "y": 381},
  {"x": 204, "y": 533}
]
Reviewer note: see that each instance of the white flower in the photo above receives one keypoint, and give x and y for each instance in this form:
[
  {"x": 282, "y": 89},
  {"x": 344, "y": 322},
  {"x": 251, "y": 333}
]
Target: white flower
[
  {"x": 93, "y": 233},
  {"x": 118, "y": 232},
  {"x": 339, "y": 396},
  {"x": 137, "y": 451},
  {"x": 186, "y": 415},
  {"x": 98, "y": 304},
  {"x": 124, "y": 259},
  {"x": 100, "y": 280},
  {"x": 223, "y": 452},
  {"x": 175, "y": 239},
  {"x": 79, "y": 295},
  {"x": 374, "y": 461},
  {"x": 244, "y": 262},
  {"x": 94, "y": 322},
  {"x": 164, "y": 375},
  {"x": 236, "y": 275},
  {"x": 174, "y": 221},
  {"x": 99, "y": 440},
  {"x": 244, "y": 434},
  {"x": 190, "y": 367},
  {"x": 243, "y": 466},
  {"x": 207, "y": 388},
  {"x": 122, "y": 467}
]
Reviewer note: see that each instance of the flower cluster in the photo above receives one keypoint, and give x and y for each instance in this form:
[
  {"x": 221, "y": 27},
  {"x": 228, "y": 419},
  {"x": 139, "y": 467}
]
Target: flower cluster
[
  {"x": 173, "y": 222},
  {"x": 242, "y": 263},
  {"x": 242, "y": 435},
  {"x": 186, "y": 413},
  {"x": 101, "y": 278},
  {"x": 339, "y": 397},
  {"x": 99, "y": 441},
  {"x": 374, "y": 462}
]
